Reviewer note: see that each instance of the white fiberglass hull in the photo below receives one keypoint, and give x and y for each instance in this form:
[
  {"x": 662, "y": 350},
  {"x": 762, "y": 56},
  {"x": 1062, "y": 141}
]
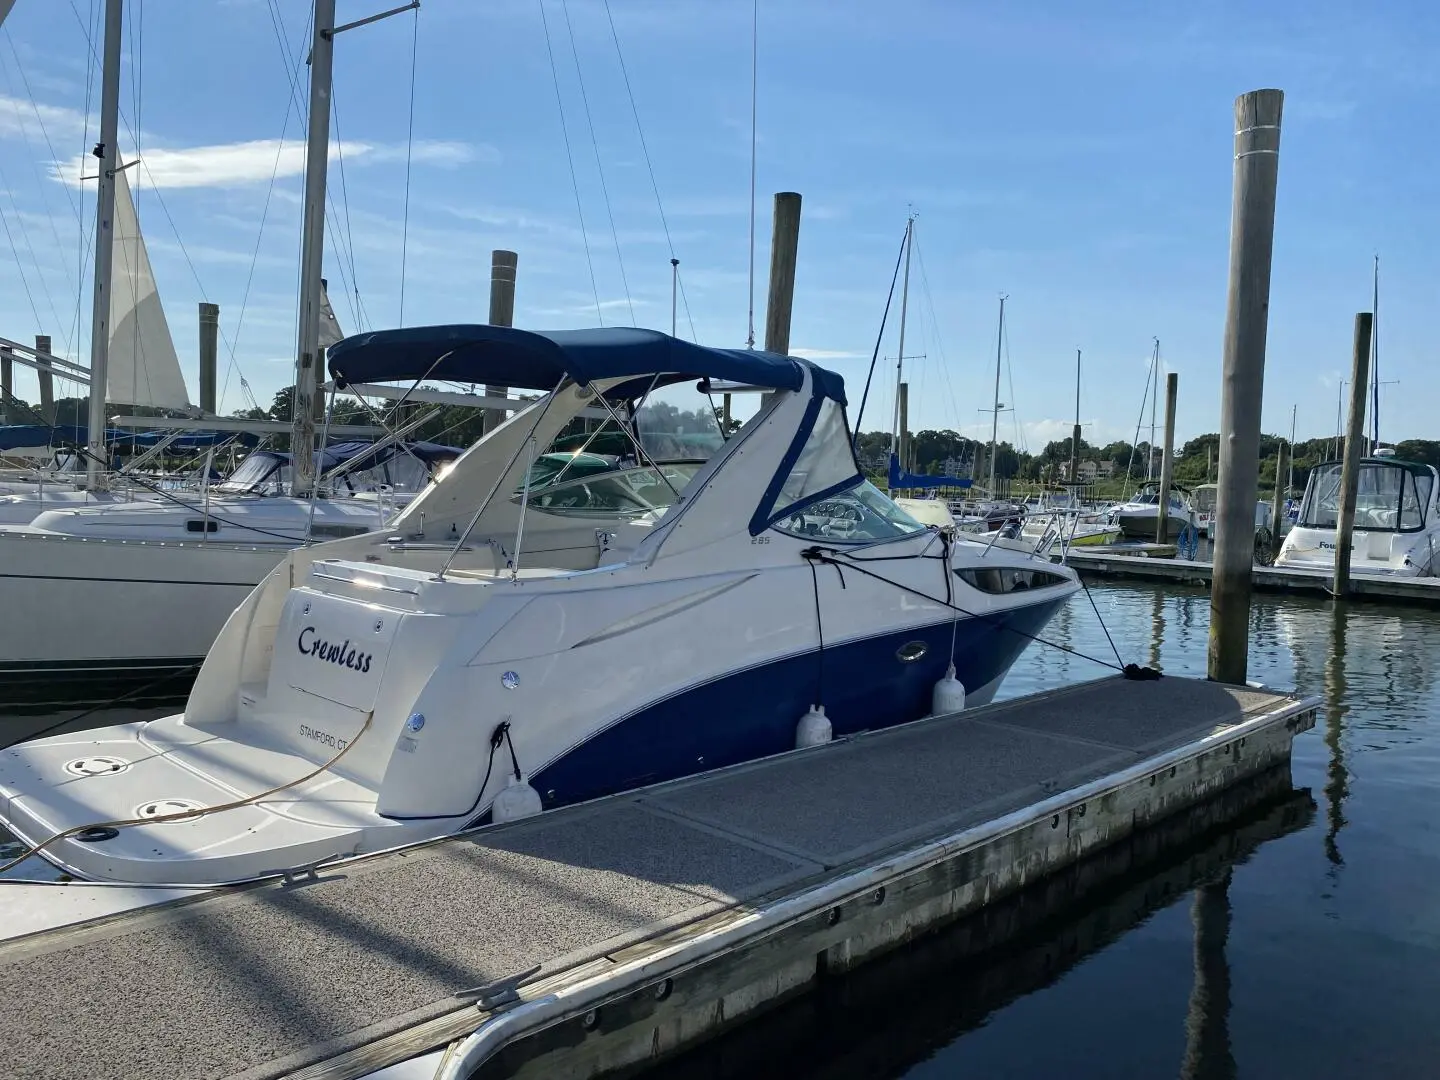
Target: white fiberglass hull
[
  {"x": 607, "y": 680},
  {"x": 1402, "y": 554},
  {"x": 111, "y": 610}
]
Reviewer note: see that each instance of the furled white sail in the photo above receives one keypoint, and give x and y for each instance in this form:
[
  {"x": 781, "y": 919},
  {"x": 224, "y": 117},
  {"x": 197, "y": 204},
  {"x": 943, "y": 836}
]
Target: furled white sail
[
  {"x": 329, "y": 325},
  {"x": 144, "y": 369}
]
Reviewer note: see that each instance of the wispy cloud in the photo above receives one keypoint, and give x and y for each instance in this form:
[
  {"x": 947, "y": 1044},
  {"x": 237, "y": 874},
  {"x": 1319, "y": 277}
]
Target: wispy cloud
[
  {"x": 236, "y": 164},
  {"x": 21, "y": 117},
  {"x": 824, "y": 354}
]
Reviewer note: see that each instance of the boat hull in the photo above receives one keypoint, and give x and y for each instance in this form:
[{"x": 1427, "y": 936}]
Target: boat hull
[
  {"x": 86, "y": 616},
  {"x": 1138, "y": 525}
]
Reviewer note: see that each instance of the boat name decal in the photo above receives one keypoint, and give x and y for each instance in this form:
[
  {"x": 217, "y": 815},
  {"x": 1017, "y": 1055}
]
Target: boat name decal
[
  {"x": 329, "y": 652},
  {"x": 323, "y": 737}
]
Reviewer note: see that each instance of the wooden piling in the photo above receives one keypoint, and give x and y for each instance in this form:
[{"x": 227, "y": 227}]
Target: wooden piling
[
  {"x": 46, "y": 376},
  {"x": 1350, "y": 467},
  {"x": 1252, "y": 237},
  {"x": 209, "y": 351},
  {"x": 7, "y": 382},
  {"x": 503, "y": 266},
  {"x": 1167, "y": 462},
  {"x": 784, "y": 250}
]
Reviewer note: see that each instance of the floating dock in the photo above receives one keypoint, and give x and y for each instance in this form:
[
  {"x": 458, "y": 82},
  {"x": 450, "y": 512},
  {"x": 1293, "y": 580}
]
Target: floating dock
[
  {"x": 1411, "y": 590},
  {"x": 608, "y": 936}
]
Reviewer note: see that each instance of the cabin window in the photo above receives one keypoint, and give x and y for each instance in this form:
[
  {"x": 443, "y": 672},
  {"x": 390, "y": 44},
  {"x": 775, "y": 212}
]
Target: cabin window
[
  {"x": 200, "y": 525},
  {"x": 1008, "y": 579},
  {"x": 335, "y": 532}
]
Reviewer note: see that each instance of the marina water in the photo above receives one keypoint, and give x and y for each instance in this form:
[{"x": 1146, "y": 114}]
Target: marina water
[{"x": 1317, "y": 953}]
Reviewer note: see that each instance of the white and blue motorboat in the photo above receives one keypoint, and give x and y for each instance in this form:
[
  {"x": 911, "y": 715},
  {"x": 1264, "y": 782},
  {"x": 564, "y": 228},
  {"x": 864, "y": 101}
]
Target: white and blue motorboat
[{"x": 508, "y": 647}]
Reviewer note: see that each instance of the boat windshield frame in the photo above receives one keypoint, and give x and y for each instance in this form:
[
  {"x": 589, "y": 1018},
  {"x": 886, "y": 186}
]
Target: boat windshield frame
[{"x": 1412, "y": 477}]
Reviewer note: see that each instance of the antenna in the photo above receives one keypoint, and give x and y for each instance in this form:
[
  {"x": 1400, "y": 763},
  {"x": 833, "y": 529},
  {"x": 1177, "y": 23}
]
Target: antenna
[{"x": 754, "y": 87}]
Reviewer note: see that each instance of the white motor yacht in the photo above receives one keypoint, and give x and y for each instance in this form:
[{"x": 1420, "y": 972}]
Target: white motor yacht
[
  {"x": 111, "y": 594},
  {"x": 1138, "y": 517},
  {"x": 1397, "y": 522},
  {"x": 504, "y": 650}
]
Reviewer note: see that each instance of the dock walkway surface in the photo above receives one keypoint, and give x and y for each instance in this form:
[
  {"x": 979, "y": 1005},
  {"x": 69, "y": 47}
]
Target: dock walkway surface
[
  {"x": 1363, "y": 586},
  {"x": 675, "y": 908}
]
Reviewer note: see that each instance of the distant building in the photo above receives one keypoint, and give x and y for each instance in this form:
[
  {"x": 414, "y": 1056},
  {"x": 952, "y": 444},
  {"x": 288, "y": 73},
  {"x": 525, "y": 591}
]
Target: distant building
[{"x": 1090, "y": 471}]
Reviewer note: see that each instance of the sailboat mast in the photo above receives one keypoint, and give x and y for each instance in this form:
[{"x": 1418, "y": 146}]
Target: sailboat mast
[
  {"x": 312, "y": 246},
  {"x": 1375, "y": 360},
  {"x": 1075, "y": 435},
  {"x": 105, "y": 150},
  {"x": 895, "y": 433},
  {"x": 1154, "y": 393},
  {"x": 1290, "y": 476},
  {"x": 995, "y": 421}
]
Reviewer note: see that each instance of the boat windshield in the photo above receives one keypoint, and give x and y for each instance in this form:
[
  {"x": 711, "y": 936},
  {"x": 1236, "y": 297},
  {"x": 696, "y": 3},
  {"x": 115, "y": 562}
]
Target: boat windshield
[
  {"x": 1205, "y": 498},
  {"x": 1389, "y": 498},
  {"x": 862, "y": 512},
  {"x": 601, "y": 474},
  {"x": 260, "y": 472}
]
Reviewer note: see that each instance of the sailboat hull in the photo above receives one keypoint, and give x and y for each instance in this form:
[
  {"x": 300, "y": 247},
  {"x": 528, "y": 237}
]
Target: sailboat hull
[{"x": 95, "y": 615}]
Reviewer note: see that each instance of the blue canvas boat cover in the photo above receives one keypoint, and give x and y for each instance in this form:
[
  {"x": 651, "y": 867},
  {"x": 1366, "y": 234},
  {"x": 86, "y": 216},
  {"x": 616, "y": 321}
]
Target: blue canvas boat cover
[
  {"x": 15, "y": 436},
  {"x": 901, "y": 480},
  {"x": 540, "y": 359}
]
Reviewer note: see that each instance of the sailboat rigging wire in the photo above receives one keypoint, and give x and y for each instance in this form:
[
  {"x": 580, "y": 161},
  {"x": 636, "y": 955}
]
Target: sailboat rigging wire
[
  {"x": 935, "y": 329},
  {"x": 1020, "y": 443},
  {"x": 879, "y": 337},
  {"x": 599, "y": 166},
  {"x": 409, "y": 147},
  {"x": 754, "y": 112},
  {"x": 649, "y": 165},
  {"x": 41, "y": 185},
  {"x": 349, "y": 248},
  {"x": 15, "y": 251},
  {"x": 570, "y": 159},
  {"x": 1139, "y": 422}
]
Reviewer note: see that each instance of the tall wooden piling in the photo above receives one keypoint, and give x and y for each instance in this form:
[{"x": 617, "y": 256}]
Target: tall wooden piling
[
  {"x": 46, "y": 377},
  {"x": 503, "y": 265},
  {"x": 209, "y": 352},
  {"x": 1252, "y": 237},
  {"x": 1354, "y": 448},
  {"x": 784, "y": 250},
  {"x": 1167, "y": 463}
]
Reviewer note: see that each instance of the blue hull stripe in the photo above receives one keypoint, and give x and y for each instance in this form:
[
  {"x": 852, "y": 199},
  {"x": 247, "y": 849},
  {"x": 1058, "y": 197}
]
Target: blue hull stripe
[{"x": 753, "y": 713}]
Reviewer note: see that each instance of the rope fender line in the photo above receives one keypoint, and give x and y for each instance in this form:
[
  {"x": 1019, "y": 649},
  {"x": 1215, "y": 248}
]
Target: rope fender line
[
  {"x": 818, "y": 554},
  {"x": 192, "y": 815}
]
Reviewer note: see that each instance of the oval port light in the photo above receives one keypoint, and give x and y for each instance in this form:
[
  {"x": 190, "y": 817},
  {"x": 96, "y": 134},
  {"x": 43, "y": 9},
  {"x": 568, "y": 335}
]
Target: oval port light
[
  {"x": 416, "y": 721},
  {"x": 911, "y": 651}
]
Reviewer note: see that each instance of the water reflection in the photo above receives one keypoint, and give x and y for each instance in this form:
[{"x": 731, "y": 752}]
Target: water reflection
[
  {"x": 891, "y": 1015},
  {"x": 1337, "y": 776},
  {"x": 1207, "y": 1020}
]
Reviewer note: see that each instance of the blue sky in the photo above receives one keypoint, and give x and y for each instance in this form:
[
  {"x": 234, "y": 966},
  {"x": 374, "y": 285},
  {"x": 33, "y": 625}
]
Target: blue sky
[{"x": 1075, "y": 157}]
